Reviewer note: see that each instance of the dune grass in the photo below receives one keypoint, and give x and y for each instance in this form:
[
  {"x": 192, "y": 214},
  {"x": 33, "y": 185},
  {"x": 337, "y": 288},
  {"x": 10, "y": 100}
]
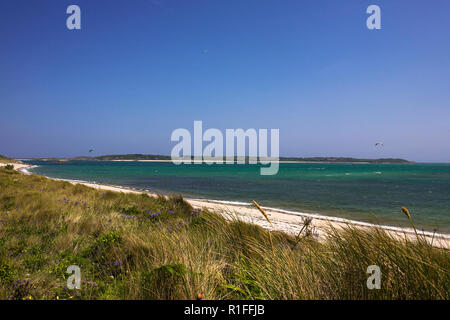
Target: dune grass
[
  {"x": 4, "y": 159},
  {"x": 132, "y": 246}
]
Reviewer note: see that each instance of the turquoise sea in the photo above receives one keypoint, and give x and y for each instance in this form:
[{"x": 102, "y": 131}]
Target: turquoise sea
[{"x": 365, "y": 192}]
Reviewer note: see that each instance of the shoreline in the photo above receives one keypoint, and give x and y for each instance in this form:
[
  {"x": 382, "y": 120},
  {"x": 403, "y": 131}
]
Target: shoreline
[
  {"x": 287, "y": 221},
  {"x": 224, "y": 161}
]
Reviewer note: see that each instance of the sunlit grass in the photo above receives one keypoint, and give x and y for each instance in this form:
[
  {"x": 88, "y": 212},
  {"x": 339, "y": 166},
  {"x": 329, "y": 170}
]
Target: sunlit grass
[{"x": 132, "y": 246}]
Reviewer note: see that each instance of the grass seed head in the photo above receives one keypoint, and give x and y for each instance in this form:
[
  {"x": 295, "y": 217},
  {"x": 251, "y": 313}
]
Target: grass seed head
[{"x": 406, "y": 212}]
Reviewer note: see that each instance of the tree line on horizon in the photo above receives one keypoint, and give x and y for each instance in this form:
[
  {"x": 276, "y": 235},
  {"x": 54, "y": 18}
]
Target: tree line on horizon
[{"x": 246, "y": 159}]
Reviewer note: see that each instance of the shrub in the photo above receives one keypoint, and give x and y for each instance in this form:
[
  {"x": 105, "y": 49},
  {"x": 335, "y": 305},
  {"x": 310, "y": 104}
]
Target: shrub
[
  {"x": 8, "y": 202},
  {"x": 6, "y": 273},
  {"x": 130, "y": 209},
  {"x": 34, "y": 262},
  {"x": 65, "y": 260},
  {"x": 164, "y": 282},
  {"x": 99, "y": 249},
  {"x": 21, "y": 290}
]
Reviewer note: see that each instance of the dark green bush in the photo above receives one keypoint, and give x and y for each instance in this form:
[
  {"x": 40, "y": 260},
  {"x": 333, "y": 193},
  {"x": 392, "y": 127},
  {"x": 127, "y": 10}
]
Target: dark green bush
[{"x": 164, "y": 282}]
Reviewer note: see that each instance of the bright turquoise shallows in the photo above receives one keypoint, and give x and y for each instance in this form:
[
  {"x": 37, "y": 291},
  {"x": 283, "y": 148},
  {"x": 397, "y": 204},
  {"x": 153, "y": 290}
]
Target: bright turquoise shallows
[{"x": 364, "y": 192}]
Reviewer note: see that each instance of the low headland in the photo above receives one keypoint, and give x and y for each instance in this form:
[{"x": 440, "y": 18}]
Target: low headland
[{"x": 145, "y": 157}]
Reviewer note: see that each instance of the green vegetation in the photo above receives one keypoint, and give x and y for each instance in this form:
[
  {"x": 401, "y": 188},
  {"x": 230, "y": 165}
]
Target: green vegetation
[
  {"x": 344, "y": 160},
  {"x": 4, "y": 159},
  {"x": 132, "y": 246},
  {"x": 135, "y": 157}
]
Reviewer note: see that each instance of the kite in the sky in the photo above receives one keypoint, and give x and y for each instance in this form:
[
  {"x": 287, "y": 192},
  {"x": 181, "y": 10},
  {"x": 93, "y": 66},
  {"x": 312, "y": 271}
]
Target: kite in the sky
[
  {"x": 379, "y": 144},
  {"x": 91, "y": 150}
]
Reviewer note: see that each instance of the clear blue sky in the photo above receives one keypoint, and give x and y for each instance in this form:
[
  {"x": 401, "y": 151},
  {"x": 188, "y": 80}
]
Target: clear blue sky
[{"x": 137, "y": 70}]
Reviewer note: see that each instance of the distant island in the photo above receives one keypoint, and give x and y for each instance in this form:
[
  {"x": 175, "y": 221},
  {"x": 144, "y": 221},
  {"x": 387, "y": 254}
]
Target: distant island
[
  {"x": 345, "y": 159},
  {"x": 150, "y": 157}
]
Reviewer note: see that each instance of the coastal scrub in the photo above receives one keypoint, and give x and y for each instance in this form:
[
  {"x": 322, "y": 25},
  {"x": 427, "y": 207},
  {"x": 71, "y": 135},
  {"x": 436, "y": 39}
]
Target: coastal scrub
[{"x": 133, "y": 246}]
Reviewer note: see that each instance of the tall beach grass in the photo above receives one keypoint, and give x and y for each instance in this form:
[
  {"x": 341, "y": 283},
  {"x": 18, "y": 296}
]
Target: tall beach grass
[{"x": 133, "y": 246}]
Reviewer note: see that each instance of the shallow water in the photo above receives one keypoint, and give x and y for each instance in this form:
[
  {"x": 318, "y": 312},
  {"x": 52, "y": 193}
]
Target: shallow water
[{"x": 364, "y": 192}]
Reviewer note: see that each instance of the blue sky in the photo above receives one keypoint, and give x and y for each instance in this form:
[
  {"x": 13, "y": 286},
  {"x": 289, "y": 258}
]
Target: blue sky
[{"x": 137, "y": 70}]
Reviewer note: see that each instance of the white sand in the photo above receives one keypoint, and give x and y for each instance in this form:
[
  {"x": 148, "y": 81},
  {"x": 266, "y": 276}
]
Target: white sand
[
  {"x": 17, "y": 166},
  {"x": 282, "y": 220}
]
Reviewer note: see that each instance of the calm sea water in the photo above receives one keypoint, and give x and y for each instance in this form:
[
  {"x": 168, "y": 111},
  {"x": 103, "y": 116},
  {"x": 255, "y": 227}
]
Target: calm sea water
[{"x": 364, "y": 192}]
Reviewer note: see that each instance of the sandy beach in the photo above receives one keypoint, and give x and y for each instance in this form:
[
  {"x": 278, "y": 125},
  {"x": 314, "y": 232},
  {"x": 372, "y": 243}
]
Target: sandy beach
[{"x": 281, "y": 220}]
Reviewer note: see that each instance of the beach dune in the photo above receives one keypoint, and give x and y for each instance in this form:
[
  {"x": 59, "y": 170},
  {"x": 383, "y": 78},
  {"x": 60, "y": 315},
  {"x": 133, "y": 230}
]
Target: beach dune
[{"x": 282, "y": 220}]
